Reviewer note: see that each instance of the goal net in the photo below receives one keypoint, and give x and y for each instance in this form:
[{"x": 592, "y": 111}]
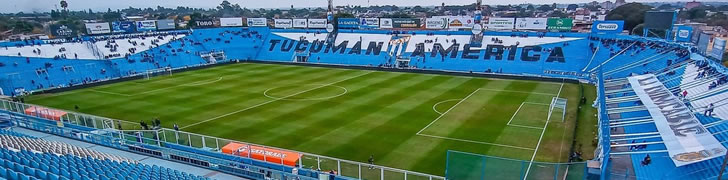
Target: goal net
[
  {"x": 157, "y": 72},
  {"x": 557, "y": 109}
]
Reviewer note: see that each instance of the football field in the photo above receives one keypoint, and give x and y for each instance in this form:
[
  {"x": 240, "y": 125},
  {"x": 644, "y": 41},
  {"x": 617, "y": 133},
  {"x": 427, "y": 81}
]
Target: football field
[{"x": 405, "y": 120}]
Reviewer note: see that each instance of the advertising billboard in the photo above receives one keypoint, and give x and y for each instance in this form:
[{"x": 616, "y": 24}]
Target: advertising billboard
[
  {"x": 684, "y": 34},
  {"x": 385, "y": 23},
  {"x": 98, "y": 28},
  {"x": 659, "y": 19},
  {"x": 61, "y": 30},
  {"x": 205, "y": 23},
  {"x": 369, "y": 23},
  {"x": 257, "y": 22},
  {"x": 531, "y": 23},
  {"x": 348, "y": 23},
  {"x": 559, "y": 24},
  {"x": 300, "y": 23},
  {"x": 703, "y": 41},
  {"x": 607, "y": 27},
  {"x": 436, "y": 23},
  {"x": 122, "y": 27},
  {"x": 148, "y": 25},
  {"x": 458, "y": 22},
  {"x": 718, "y": 48},
  {"x": 165, "y": 24},
  {"x": 500, "y": 23},
  {"x": 283, "y": 23},
  {"x": 406, "y": 23},
  {"x": 317, "y": 23},
  {"x": 231, "y": 22}
]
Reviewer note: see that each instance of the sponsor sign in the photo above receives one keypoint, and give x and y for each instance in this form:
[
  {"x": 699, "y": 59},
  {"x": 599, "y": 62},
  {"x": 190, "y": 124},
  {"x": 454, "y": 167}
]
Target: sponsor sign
[
  {"x": 436, "y": 23},
  {"x": 317, "y": 23},
  {"x": 369, "y": 23},
  {"x": 283, "y": 23},
  {"x": 459, "y": 22},
  {"x": 45, "y": 113},
  {"x": 559, "y": 24},
  {"x": 500, "y": 23},
  {"x": 718, "y": 48},
  {"x": 608, "y": 27},
  {"x": 531, "y": 23},
  {"x": 257, "y": 22},
  {"x": 98, "y": 28},
  {"x": 686, "y": 139},
  {"x": 61, "y": 30},
  {"x": 165, "y": 24},
  {"x": 684, "y": 33},
  {"x": 205, "y": 23},
  {"x": 149, "y": 25},
  {"x": 231, "y": 22},
  {"x": 300, "y": 23},
  {"x": 274, "y": 156},
  {"x": 385, "y": 23},
  {"x": 348, "y": 23},
  {"x": 122, "y": 27},
  {"x": 406, "y": 23}
]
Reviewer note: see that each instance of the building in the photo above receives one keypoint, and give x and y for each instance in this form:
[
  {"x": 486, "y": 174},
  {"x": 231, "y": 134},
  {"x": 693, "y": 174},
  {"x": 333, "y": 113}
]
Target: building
[{"x": 694, "y": 4}]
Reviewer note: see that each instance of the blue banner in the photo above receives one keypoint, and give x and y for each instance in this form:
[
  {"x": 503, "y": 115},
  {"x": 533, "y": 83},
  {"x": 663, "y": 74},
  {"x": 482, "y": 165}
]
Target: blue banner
[
  {"x": 718, "y": 48},
  {"x": 608, "y": 27},
  {"x": 348, "y": 23},
  {"x": 684, "y": 34},
  {"x": 122, "y": 27}
]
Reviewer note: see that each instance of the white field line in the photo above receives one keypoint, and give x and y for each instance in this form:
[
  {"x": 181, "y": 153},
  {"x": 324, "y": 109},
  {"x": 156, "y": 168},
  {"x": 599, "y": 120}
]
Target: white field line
[
  {"x": 478, "y": 142},
  {"x": 514, "y": 114},
  {"x": 519, "y": 109},
  {"x": 540, "y": 138},
  {"x": 434, "y": 107},
  {"x": 448, "y": 110},
  {"x": 273, "y": 100},
  {"x": 525, "y": 92},
  {"x": 196, "y": 83}
]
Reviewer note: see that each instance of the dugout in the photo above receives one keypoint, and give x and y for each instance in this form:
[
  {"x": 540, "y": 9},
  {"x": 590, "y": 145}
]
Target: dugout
[{"x": 276, "y": 156}]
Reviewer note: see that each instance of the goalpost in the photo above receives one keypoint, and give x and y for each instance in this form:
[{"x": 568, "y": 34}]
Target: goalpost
[
  {"x": 157, "y": 72},
  {"x": 558, "y": 105}
]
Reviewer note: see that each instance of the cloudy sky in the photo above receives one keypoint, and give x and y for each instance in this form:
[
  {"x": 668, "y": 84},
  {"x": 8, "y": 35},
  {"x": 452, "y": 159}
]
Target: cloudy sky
[{"x": 46, "y": 5}]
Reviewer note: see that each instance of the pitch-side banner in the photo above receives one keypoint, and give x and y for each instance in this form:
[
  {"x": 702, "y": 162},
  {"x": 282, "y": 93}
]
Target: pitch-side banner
[
  {"x": 458, "y": 22},
  {"x": 149, "y": 25},
  {"x": 385, "y": 23},
  {"x": 300, "y": 23},
  {"x": 283, "y": 23},
  {"x": 317, "y": 23},
  {"x": 257, "y": 22},
  {"x": 686, "y": 139},
  {"x": 436, "y": 23},
  {"x": 500, "y": 23},
  {"x": 165, "y": 24},
  {"x": 231, "y": 22},
  {"x": 531, "y": 23},
  {"x": 98, "y": 28},
  {"x": 122, "y": 27},
  {"x": 368, "y": 23}
]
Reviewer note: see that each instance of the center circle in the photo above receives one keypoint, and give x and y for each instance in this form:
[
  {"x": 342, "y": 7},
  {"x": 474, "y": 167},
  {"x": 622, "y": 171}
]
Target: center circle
[{"x": 289, "y": 92}]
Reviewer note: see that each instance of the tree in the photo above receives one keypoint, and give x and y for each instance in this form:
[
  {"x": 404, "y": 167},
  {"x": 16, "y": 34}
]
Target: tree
[
  {"x": 632, "y": 14},
  {"x": 545, "y": 8},
  {"x": 572, "y": 7},
  {"x": 344, "y": 15},
  {"x": 665, "y": 7},
  {"x": 558, "y": 14},
  {"x": 64, "y": 5}
]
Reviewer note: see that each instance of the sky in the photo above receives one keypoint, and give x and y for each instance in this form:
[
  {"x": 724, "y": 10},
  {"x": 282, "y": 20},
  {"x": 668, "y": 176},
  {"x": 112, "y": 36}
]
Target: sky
[{"x": 12, "y": 6}]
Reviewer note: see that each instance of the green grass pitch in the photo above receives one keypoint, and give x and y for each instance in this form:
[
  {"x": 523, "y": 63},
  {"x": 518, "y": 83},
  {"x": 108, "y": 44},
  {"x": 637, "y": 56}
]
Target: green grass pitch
[{"x": 406, "y": 120}]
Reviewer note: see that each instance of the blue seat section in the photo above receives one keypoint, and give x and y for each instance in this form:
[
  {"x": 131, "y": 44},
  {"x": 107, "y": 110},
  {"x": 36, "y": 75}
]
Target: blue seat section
[
  {"x": 29, "y": 164},
  {"x": 23, "y": 164}
]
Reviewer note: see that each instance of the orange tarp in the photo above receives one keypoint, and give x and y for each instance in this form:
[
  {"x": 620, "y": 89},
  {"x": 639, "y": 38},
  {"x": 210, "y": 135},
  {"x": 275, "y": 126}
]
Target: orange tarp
[
  {"x": 262, "y": 153},
  {"x": 45, "y": 112}
]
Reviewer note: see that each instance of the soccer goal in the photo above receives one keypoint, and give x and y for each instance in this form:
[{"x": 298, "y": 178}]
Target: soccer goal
[
  {"x": 557, "y": 107},
  {"x": 157, "y": 72}
]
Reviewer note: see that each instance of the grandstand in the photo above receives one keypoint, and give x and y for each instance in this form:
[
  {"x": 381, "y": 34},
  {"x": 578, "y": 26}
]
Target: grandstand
[{"x": 353, "y": 97}]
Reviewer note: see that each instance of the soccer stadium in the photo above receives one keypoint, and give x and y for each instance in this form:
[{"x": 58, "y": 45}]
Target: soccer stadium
[{"x": 379, "y": 98}]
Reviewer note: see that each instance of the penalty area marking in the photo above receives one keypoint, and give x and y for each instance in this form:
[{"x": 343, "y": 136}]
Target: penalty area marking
[
  {"x": 519, "y": 109},
  {"x": 265, "y": 93},
  {"x": 434, "y": 107}
]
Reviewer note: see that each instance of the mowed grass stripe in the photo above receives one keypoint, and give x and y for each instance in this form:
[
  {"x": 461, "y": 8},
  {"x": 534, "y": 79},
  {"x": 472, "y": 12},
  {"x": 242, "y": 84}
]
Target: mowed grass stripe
[
  {"x": 357, "y": 74},
  {"x": 290, "y": 117},
  {"x": 296, "y": 114}
]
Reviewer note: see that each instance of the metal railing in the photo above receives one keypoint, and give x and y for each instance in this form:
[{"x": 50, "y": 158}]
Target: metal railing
[{"x": 159, "y": 136}]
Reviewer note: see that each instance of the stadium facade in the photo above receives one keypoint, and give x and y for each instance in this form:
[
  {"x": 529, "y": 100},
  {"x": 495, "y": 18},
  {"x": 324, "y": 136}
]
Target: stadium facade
[{"x": 630, "y": 123}]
